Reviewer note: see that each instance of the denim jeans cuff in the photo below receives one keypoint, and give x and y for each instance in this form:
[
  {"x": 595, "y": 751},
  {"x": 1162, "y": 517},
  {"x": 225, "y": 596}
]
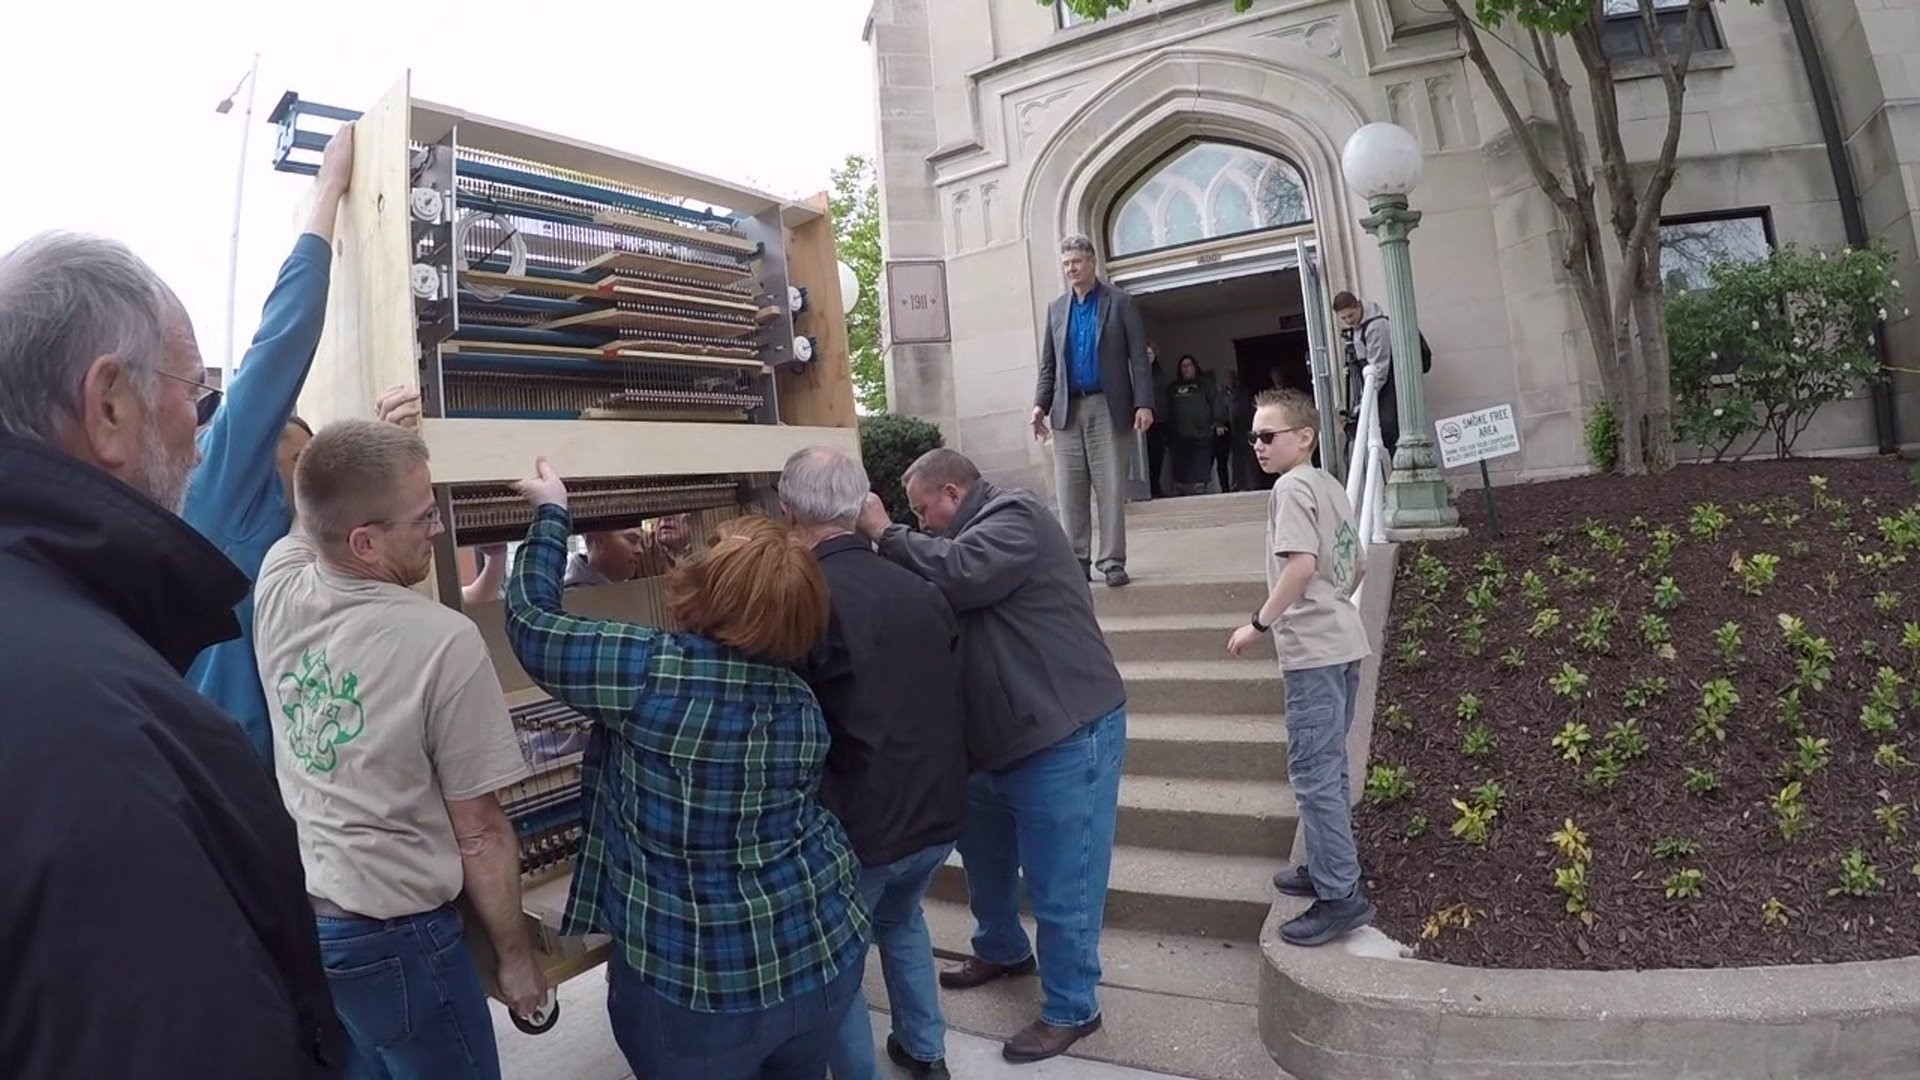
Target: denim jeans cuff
[{"x": 1054, "y": 1021}]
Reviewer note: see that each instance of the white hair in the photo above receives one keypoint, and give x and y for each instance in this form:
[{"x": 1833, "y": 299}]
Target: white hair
[
  {"x": 1077, "y": 244},
  {"x": 822, "y": 486},
  {"x": 67, "y": 299}
]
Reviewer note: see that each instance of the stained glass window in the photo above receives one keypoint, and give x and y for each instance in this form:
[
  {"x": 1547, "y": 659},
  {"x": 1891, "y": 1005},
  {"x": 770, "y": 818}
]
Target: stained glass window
[{"x": 1206, "y": 191}]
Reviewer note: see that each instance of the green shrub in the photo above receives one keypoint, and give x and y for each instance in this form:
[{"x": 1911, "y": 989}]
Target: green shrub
[
  {"x": 1768, "y": 343},
  {"x": 1603, "y": 438},
  {"x": 889, "y": 443}
]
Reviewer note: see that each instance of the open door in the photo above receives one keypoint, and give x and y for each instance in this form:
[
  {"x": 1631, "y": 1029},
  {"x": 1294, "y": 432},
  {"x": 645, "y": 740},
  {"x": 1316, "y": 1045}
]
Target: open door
[{"x": 1313, "y": 298}]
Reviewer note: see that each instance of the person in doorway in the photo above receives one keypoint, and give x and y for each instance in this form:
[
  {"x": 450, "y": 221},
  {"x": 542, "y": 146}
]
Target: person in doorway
[
  {"x": 731, "y": 894},
  {"x": 887, "y": 675},
  {"x": 391, "y": 739},
  {"x": 1046, "y": 726},
  {"x": 1094, "y": 387},
  {"x": 1367, "y": 338},
  {"x": 241, "y": 495},
  {"x": 153, "y": 913},
  {"x": 1314, "y": 562},
  {"x": 1157, "y": 434},
  {"x": 1195, "y": 415},
  {"x": 1229, "y": 391}
]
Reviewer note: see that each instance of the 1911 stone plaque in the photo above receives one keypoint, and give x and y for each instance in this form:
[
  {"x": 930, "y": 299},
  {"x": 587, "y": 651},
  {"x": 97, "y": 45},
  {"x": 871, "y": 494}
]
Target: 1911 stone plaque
[{"x": 917, "y": 303}]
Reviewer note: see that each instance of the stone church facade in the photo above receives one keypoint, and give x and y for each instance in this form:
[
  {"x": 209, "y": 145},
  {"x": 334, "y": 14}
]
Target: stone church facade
[{"x": 1200, "y": 148}]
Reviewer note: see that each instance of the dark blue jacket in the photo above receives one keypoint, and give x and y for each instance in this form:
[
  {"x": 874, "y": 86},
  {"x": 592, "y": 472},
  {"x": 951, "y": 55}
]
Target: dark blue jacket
[
  {"x": 887, "y": 674},
  {"x": 154, "y": 921}
]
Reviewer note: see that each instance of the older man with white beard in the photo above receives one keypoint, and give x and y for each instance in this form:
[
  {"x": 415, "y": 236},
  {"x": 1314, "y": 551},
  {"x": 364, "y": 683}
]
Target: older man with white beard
[{"x": 153, "y": 913}]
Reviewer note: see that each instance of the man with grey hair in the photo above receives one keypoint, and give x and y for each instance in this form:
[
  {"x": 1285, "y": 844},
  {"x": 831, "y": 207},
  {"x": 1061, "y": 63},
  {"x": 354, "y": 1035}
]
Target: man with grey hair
[
  {"x": 1046, "y": 727},
  {"x": 888, "y": 679},
  {"x": 391, "y": 738},
  {"x": 153, "y": 914},
  {"x": 1094, "y": 389}
]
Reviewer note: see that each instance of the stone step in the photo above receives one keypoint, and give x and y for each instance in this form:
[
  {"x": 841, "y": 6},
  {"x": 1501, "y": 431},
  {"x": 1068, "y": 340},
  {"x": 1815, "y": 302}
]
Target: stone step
[
  {"x": 1207, "y": 747},
  {"x": 1176, "y": 1004},
  {"x": 1217, "y": 817},
  {"x": 1199, "y": 511},
  {"x": 1178, "y": 637},
  {"x": 1244, "y": 687},
  {"x": 1188, "y": 594},
  {"x": 1168, "y": 892}
]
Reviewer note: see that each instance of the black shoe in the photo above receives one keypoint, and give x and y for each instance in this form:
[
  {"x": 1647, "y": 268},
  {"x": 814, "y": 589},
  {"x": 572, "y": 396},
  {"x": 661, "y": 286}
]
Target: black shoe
[
  {"x": 933, "y": 1070},
  {"x": 1327, "y": 919},
  {"x": 1293, "y": 881},
  {"x": 1116, "y": 576}
]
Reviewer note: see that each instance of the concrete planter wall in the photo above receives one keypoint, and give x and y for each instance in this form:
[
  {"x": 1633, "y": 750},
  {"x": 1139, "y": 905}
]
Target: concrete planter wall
[{"x": 1356, "y": 1011}]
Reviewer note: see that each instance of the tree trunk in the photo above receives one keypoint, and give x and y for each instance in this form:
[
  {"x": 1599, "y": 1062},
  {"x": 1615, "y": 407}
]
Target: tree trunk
[{"x": 1650, "y": 315}]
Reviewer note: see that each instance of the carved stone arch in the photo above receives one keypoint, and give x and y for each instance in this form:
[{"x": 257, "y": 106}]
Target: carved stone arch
[{"x": 1147, "y": 111}]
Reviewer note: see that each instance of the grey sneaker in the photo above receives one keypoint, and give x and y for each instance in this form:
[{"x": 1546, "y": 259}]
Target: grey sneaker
[
  {"x": 1292, "y": 880},
  {"x": 1117, "y": 576},
  {"x": 1327, "y": 919}
]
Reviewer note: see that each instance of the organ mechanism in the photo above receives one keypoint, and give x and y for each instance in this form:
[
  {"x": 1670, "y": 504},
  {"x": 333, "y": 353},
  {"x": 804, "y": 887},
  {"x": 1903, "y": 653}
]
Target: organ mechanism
[{"x": 665, "y": 339}]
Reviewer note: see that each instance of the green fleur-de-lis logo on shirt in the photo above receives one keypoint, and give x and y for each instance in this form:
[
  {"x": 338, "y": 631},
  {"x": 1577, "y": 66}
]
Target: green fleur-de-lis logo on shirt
[
  {"x": 322, "y": 715},
  {"x": 1346, "y": 549}
]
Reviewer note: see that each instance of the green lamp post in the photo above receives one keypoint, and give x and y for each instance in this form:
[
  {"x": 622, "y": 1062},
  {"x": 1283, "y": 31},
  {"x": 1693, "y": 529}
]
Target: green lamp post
[{"x": 1381, "y": 163}]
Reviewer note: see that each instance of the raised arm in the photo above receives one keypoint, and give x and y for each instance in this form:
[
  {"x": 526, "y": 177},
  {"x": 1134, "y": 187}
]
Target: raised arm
[
  {"x": 592, "y": 665},
  {"x": 237, "y": 465}
]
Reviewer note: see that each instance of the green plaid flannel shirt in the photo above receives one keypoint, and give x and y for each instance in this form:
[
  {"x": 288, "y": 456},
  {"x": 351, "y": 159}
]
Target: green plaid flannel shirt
[{"x": 707, "y": 855}]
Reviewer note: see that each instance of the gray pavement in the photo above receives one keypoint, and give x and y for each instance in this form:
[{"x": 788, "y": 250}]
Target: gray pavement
[{"x": 581, "y": 1047}]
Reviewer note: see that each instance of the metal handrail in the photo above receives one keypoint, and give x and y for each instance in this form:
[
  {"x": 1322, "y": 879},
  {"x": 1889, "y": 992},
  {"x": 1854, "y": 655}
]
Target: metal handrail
[{"x": 1366, "y": 473}]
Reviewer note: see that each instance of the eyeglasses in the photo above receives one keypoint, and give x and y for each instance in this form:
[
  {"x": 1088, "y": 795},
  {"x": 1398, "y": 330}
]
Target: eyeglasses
[
  {"x": 1265, "y": 438},
  {"x": 430, "y": 521},
  {"x": 206, "y": 401}
]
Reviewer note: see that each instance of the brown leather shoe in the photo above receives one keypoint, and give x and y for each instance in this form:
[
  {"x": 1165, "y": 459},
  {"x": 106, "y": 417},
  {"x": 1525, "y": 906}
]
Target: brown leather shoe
[
  {"x": 977, "y": 972},
  {"x": 1040, "y": 1040}
]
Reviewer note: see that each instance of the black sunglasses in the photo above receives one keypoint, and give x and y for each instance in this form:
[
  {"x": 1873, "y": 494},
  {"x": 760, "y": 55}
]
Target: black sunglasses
[
  {"x": 205, "y": 403},
  {"x": 1265, "y": 438}
]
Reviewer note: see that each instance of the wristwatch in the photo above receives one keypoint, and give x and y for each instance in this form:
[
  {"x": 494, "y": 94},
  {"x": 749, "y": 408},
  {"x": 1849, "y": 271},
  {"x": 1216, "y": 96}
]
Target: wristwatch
[{"x": 1254, "y": 621}]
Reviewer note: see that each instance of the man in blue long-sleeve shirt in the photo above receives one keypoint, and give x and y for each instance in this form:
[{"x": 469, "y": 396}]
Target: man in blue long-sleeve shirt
[{"x": 241, "y": 495}]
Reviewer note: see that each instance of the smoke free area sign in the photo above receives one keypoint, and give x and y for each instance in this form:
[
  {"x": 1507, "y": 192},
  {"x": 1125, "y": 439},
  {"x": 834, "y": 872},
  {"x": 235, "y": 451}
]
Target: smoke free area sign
[{"x": 1477, "y": 436}]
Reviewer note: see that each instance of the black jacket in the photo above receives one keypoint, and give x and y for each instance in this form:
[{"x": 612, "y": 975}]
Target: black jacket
[
  {"x": 887, "y": 673},
  {"x": 1036, "y": 666},
  {"x": 154, "y": 921}
]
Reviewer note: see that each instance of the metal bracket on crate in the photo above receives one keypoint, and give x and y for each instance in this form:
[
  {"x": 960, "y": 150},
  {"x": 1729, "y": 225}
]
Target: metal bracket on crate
[
  {"x": 295, "y": 140},
  {"x": 432, "y": 211}
]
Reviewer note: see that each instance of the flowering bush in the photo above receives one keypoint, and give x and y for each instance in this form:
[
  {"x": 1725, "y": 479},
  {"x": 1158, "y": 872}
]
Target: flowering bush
[{"x": 1768, "y": 343}]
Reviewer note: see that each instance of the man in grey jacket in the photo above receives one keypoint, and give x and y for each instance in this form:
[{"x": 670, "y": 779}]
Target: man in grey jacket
[
  {"x": 1094, "y": 389},
  {"x": 1368, "y": 339},
  {"x": 1046, "y": 729}
]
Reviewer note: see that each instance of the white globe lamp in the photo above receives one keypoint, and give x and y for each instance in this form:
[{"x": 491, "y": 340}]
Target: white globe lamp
[
  {"x": 1382, "y": 161},
  {"x": 849, "y": 289}
]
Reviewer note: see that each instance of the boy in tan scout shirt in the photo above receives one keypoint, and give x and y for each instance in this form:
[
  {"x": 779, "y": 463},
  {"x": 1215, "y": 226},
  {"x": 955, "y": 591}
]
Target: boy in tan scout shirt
[{"x": 1314, "y": 563}]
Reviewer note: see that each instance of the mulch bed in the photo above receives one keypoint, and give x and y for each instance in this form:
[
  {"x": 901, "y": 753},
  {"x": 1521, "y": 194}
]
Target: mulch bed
[{"x": 1833, "y": 563}]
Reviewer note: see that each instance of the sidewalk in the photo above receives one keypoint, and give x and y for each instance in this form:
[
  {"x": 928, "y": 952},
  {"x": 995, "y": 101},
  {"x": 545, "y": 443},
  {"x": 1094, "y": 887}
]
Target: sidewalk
[{"x": 581, "y": 1047}]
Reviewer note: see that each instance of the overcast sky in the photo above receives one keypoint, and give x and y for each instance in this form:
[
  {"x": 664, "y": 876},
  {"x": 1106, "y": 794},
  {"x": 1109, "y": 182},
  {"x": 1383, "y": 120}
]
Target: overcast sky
[{"x": 111, "y": 128}]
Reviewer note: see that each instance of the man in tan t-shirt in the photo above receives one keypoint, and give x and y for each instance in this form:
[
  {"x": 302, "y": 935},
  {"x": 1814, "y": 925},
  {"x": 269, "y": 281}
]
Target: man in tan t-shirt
[
  {"x": 391, "y": 737},
  {"x": 1314, "y": 564}
]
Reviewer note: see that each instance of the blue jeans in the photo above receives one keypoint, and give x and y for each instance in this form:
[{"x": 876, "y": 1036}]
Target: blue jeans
[
  {"x": 1319, "y": 713},
  {"x": 1048, "y": 819},
  {"x": 663, "y": 1040},
  {"x": 892, "y": 894},
  {"x": 410, "y": 998}
]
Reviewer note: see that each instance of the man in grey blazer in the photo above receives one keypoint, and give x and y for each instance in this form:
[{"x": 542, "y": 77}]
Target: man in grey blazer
[{"x": 1094, "y": 388}]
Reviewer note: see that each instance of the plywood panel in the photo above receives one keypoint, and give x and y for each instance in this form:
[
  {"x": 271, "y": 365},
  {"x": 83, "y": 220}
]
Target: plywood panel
[
  {"x": 496, "y": 451},
  {"x": 368, "y": 342},
  {"x": 642, "y": 601},
  {"x": 822, "y": 395}
]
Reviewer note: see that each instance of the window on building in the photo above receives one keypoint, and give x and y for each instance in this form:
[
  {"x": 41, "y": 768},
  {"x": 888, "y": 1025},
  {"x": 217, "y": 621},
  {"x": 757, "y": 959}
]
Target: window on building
[
  {"x": 1206, "y": 191},
  {"x": 1689, "y": 246},
  {"x": 1623, "y": 32},
  {"x": 1064, "y": 16}
]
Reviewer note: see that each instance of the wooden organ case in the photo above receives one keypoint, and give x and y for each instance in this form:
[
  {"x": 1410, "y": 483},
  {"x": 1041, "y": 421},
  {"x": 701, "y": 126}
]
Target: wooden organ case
[{"x": 664, "y": 339}]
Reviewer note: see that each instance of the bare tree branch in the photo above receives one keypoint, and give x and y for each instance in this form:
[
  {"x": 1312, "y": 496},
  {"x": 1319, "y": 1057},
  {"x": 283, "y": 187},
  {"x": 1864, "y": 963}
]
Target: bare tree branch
[{"x": 1543, "y": 173}]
